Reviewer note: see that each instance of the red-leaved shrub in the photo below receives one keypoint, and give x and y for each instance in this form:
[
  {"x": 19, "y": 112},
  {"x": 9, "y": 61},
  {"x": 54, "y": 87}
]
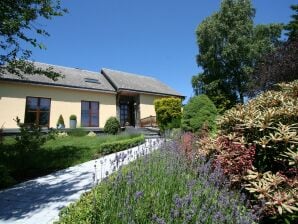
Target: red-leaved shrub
[
  {"x": 188, "y": 140},
  {"x": 234, "y": 158}
]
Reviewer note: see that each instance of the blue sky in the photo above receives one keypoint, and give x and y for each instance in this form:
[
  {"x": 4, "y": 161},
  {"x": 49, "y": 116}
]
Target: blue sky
[{"x": 155, "y": 38}]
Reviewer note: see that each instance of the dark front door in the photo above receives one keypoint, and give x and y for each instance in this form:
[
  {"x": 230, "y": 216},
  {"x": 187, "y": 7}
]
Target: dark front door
[{"x": 127, "y": 116}]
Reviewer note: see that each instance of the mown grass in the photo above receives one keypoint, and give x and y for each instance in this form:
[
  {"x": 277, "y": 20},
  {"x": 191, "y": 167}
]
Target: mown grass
[
  {"x": 55, "y": 154},
  {"x": 160, "y": 188}
]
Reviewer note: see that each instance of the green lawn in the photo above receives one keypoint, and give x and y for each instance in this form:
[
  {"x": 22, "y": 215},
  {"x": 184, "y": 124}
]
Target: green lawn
[{"x": 55, "y": 154}]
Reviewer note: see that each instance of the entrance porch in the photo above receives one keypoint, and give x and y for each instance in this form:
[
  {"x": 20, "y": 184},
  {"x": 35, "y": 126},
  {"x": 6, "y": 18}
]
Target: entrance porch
[{"x": 128, "y": 109}]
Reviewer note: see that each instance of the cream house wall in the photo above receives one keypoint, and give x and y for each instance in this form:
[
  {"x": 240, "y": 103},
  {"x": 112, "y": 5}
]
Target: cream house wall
[
  {"x": 63, "y": 101},
  {"x": 147, "y": 105}
]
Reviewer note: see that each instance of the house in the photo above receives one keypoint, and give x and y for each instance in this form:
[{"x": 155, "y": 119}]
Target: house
[{"x": 92, "y": 96}]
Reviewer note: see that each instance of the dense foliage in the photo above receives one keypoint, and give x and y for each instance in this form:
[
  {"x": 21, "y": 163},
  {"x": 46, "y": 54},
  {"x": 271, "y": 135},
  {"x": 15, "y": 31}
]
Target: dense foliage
[
  {"x": 17, "y": 20},
  {"x": 258, "y": 150},
  {"x": 229, "y": 46},
  {"x": 160, "y": 188},
  {"x": 5, "y": 177},
  {"x": 269, "y": 121},
  {"x": 168, "y": 112},
  {"x": 112, "y": 126},
  {"x": 280, "y": 65},
  {"x": 199, "y": 112}
]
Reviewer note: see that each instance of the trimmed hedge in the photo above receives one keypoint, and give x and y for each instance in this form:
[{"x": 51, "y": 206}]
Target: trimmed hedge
[
  {"x": 117, "y": 146},
  {"x": 77, "y": 132}
]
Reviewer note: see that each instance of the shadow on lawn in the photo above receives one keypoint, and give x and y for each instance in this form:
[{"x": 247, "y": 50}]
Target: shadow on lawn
[
  {"x": 31, "y": 196},
  {"x": 25, "y": 166}
]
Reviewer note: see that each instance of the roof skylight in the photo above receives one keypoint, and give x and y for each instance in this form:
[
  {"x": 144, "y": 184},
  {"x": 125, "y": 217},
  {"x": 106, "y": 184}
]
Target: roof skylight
[{"x": 90, "y": 80}]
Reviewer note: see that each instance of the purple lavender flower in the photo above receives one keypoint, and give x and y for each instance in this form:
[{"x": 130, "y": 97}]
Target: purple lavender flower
[
  {"x": 158, "y": 220},
  {"x": 138, "y": 195},
  {"x": 174, "y": 213}
]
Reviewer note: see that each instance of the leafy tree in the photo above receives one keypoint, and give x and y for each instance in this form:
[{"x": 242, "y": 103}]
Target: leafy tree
[
  {"x": 168, "y": 112},
  {"x": 229, "y": 47},
  {"x": 197, "y": 84},
  {"x": 292, "y": 26},
  {"x": 280, "y": 65},
  {"x": 18, "y": 19},
  {"x": 199, "y": 112}
]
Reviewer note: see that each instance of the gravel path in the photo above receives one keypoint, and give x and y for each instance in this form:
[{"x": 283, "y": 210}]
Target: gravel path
[{"x": 39, "y": 201}]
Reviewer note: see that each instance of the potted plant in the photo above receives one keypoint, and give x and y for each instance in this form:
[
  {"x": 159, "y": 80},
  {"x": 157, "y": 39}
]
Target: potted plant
[
  {"x": 72, "y": 121},
  {"x": 60, "y": 122}
]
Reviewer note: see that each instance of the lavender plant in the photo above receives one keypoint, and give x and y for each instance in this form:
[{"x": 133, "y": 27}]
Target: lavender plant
[{"x": 161, "y": 187}]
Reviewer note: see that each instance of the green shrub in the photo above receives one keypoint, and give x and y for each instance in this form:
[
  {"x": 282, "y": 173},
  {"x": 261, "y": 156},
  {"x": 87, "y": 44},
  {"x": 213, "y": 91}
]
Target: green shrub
[
  {"x": 73, "y": 117},
  {"x": 117, "y": 146},
  {"x": 174, "y": 124},
  {"x": 168, "y": 112},
  {"x": 112, "y": 126},
  {"x": 78, "y": 132},
  {"x": 27, "y": 144},
  {"x": 60, "y": 121},
  {"x": 199, "y": 112},
  {"x": 30, "y": 138}
]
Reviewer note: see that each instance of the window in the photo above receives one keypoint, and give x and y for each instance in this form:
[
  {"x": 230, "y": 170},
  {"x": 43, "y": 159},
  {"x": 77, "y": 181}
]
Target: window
[
  {"x": 37, "y": 111},
  {"x": 89, "y": 114}
]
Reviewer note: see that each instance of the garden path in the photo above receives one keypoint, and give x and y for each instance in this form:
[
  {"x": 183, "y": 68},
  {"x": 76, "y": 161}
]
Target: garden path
[{"x": 39, "y": 201}]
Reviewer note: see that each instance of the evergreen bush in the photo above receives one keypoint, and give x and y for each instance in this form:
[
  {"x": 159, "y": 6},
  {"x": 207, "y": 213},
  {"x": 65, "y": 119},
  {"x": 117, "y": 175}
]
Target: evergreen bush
[
  {"x": 60, "y": 122},
  {"x": 199, "y": 112},
  {"x": 112, "y": 126}
]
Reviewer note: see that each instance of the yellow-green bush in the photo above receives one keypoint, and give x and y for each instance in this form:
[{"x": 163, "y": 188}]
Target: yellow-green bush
[{"x": 168, "y": 112}]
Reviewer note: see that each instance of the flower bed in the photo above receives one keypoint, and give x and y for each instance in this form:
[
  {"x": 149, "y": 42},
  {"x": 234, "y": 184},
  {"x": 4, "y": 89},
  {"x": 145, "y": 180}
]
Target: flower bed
[{"x": 161, "y": 188}]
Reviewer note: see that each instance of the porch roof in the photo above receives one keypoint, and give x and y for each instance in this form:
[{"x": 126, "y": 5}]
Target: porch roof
[{"x": 123, "y": 81}]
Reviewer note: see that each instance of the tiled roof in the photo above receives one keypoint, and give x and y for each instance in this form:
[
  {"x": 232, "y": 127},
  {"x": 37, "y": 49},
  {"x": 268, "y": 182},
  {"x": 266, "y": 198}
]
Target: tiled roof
[
  {"x": 75, "y": 78},
  {"x": 108, "y": 80},
  {"x": 133, "y": 82}
]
